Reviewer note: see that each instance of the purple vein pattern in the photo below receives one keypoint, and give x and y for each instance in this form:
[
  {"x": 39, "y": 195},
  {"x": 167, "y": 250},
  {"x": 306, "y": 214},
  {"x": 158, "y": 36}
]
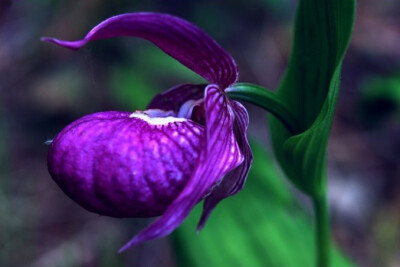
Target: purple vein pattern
[{"x": 189, "y": 145}]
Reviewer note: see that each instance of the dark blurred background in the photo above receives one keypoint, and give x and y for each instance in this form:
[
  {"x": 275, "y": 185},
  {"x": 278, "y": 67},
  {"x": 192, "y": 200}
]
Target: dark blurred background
[{"x": 44, "y": 87}]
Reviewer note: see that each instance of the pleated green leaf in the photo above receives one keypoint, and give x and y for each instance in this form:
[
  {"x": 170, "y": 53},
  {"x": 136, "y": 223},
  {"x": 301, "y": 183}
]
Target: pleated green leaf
[
  {"x": 262, "y": 226},
  {"x": 310, "y": 89}
]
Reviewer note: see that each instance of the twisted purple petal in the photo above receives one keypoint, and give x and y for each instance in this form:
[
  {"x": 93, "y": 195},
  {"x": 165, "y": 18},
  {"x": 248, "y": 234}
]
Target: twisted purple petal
[
  {"x": 119, "y": 165},
  {"x": 174, "y": 98},
  {"x": 219, "y": 155},
  {"x": 177, "y": 37},
  {"x": 234, "y": 181}
]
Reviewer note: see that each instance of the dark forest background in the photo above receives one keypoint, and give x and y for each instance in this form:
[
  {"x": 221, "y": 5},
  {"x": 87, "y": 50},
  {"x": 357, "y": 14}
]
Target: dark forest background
[{"x": 44, "y": 87}]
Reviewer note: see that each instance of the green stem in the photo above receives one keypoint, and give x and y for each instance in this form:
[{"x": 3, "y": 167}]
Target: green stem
[
  {"x": 322, "y": 231},
  {"x": 267, "y": 100}
]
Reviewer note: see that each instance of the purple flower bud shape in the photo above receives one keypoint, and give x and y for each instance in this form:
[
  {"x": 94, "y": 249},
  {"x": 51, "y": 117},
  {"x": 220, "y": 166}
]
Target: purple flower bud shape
[{"x": 125, "y": 165}]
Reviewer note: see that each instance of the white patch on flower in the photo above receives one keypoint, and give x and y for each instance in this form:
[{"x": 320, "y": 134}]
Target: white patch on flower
[
  {"x": 156, "y": 117},
  {"x": 175, "y": 133},
  {"x": 186, "y": 109}
]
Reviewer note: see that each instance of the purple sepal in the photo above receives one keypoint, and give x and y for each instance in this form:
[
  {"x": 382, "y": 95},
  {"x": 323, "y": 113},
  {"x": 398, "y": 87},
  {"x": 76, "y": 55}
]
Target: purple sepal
[
  {"x": 174, "y": 98},
  {"x": 234, "y": 181},
  {"x": 219, "y": 155},
  {"x": 177, "y": 37},
  {"x": 116, "y": 164}
]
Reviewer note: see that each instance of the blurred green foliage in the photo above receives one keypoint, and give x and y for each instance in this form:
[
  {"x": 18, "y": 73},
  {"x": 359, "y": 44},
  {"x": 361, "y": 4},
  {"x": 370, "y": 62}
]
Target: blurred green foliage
[
  {"x": 380, "y": 99},
  {"x": 149, "y": 70},
  {"x": 261, "y": 226},
  {"x": 3, "y": 148},
  {"x": 4, "y": 205}
]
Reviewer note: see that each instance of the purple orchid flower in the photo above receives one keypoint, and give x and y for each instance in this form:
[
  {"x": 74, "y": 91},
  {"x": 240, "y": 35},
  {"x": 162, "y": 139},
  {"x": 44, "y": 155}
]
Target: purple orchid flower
[{"x": 190, "y": 144}]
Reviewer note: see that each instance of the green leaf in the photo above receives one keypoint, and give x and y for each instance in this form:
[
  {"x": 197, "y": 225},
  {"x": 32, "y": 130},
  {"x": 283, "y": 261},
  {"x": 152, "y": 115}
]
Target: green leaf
[
  {"x": 261, "y": 226},
  {"x": 310, "y": 89}
]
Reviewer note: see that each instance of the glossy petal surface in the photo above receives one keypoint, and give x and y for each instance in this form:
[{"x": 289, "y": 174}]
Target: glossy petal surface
[
  {"x": 219, "y": 155},
  {"x": 177, "y": 37},
  {"x": 117, "y": 165}
]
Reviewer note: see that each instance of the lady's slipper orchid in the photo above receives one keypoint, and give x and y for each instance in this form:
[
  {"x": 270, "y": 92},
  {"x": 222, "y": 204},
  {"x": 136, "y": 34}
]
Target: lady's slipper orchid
[{"x": 189, "y": 145}]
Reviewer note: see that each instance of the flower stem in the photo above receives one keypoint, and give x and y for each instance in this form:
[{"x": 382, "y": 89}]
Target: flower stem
[
  {"x": 271, "y": 102},
  {"x": 267, "y": 100},
  {"x": 322, "y": 231}
]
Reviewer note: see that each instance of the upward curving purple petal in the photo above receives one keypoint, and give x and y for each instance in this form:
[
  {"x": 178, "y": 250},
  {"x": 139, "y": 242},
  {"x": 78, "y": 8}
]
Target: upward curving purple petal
[
  {"x": 220, "y": 155},
  {"x": 177, "y": 37},
  {"x": 234, "y": 181}
]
